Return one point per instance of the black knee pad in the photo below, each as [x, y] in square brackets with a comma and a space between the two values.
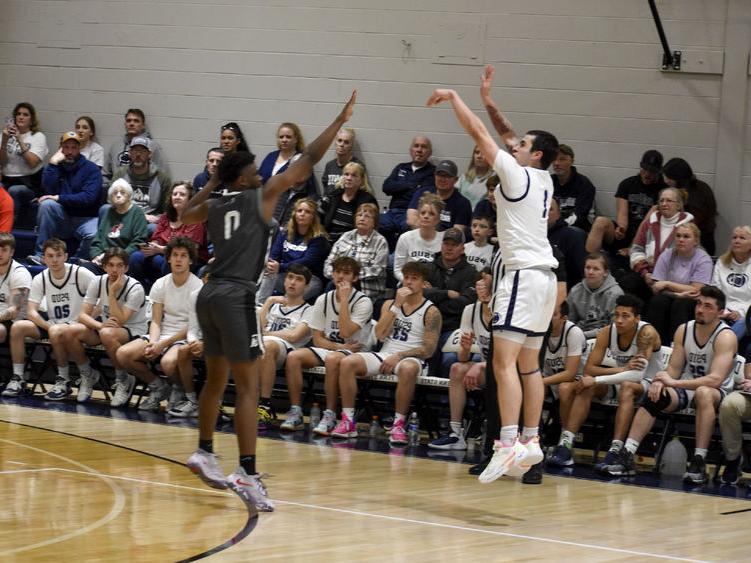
[656, 407]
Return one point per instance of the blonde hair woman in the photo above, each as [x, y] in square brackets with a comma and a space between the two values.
[352, 190]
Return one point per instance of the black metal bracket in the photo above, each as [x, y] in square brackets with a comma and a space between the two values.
[671, 60]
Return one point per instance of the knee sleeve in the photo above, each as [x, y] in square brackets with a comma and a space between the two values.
[656, 407]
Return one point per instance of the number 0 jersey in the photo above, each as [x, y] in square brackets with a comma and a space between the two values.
[408, 331]
[61, 298]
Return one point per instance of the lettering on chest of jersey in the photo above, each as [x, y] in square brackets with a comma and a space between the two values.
[402, 327]
[419, 254]
[554, 365]
[280, 323]
[696, 358]
[60, 297]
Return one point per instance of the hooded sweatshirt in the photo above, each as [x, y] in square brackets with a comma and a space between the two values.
[591, 309]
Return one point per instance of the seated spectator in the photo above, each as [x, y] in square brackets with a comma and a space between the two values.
[284, 320]
[123, 225]
[90, 149]
[289, 142]
[486, 206]
[332, 172]
[734, 411]
[340, 323]
[700, 374]
[14, 286]
[213, 158]
[421, 244]
[338, 211]
[574, 191]
[170, 298]
[149, 182]
[468, 372]
[457, 212]
[404, 180]
[592, 301]
[634, 198]
[368, 247]
[409, 327]
[60, 290]
[654, 236]
[633, 344]
[732, 274]
[232, 139]
[479, 251]
[302, 242]
[698, 197]
[73, 192]
[569, 240]
[679, 274]
[119, 154]
[6, 210]
[147, 262]
[23, 149]
[471, 184]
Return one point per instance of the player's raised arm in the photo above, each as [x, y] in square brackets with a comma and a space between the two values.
[499, 121]
[197, 209]
[302, 167]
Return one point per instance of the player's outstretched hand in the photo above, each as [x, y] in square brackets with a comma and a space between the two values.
[439, 96]
[349, 107]
[486, 81]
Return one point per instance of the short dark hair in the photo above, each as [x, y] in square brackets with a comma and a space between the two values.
[714, 292]
[214, 149]
[233, 164]
[679, 171]
[630, 301]
[55, 244]
[115, 252]
[416, 268]
[138, 112]
[90, 122]
[601, 257]
[34, 125]
[300, 270]
[563, 308]
[346, 263]
[547, 143]
[181, 242]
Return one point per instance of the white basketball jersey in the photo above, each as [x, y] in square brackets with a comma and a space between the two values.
[473, 320]
[570, 343]
[327, 309]
[63, 302]
[16, 276]
[523, 197]
[699, 358]
[623, 356]
[282, 318]
[131, 296]
[408, 330]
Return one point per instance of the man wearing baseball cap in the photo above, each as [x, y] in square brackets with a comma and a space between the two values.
[73, 193]
[119, 155]
[457, 211]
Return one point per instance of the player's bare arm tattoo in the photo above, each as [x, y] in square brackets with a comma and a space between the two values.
[647, 341]
[19, 300]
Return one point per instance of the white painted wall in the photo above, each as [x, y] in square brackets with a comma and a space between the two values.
[585, 69]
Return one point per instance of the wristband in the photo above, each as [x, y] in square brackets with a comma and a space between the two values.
[146, 339]
[394, 309]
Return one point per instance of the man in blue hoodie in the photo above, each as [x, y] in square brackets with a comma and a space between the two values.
[73, 194]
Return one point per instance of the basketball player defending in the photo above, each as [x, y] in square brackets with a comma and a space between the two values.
[524, 302]
[238, 227]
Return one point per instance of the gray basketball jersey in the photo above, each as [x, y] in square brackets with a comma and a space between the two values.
[699, 358]
[558, 351]
[239, 234]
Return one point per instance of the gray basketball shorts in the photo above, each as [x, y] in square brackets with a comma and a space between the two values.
[227, 315]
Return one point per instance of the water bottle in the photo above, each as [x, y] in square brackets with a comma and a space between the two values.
[673, 462]
[413, 430]
[315, 415]
[375, 428]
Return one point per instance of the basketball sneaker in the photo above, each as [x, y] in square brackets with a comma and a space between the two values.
[59, 391]
[345, 429]
[250, 489]
[624, 466]
[561, 457]
[610, 458]
[732, 473]
[696, 473]
[122, 390]
[15, 387]
[533, 476]
[156, 396]
[534, 452]
[186, 409]
[293, 421]
[86, 387]
[266, 417]
[449, 442]
[506, 460]
[327, 423]
[206, 467]
[224, 417]
[176, 397]
[398, 435]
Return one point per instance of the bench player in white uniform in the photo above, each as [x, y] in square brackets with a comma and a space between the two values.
[60, 289]
[525, 301]
[340, 322]
[699, 373]
[409, 327]
[634, 346]
[123, 318]
[170, 298]
[15, 282]
[285, 320]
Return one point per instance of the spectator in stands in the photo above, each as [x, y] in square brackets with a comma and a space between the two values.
[332, 172]
[679, 274]
[700, 373]
[14, 288]
[170, 299]
[231, 138]
[471, 184]
[90, 149]
[23, 149]
[654, 236]
[119, 153]
[147, 263]
[732, 274]
[6, 210]
[368, 247]
[457, 212]
[634, 198]
[486, 206]
[634, 346]
[340, 323]
[698, 197]
[424, 242]
[61, 288]
[569, 240]
[289, 142]
[574, 191]
[150, 183]
[409, 327]
[734, 411]
[592, 301]
[73, 193]
[213, 158]
[338, 210]
[302, 242]
[122, 302]
[468, 372]
[404, 180]
[123, 224]
[479, 251]
[284, 320]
